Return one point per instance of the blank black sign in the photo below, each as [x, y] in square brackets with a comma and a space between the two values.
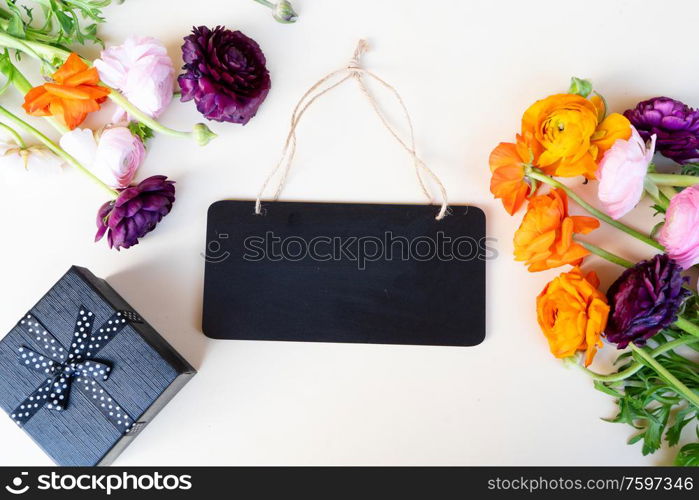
[345, 272]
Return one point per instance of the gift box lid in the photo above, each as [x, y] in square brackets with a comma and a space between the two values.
[82, 373]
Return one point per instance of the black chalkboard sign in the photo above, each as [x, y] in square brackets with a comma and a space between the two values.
[345, 272]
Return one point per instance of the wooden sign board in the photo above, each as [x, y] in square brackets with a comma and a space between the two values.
[345, 272]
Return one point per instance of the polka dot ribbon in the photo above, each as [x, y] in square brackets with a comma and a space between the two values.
[63, 365]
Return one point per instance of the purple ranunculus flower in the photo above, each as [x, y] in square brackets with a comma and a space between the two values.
[225, 74]
[644, 300]
[135, 212]
[675, 124]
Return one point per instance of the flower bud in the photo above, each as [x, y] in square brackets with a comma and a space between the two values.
[580, 86]
[284, 12]
[202, 134]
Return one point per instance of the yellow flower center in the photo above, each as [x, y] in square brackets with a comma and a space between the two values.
[566, 132]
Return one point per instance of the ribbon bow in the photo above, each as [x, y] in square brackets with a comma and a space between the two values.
[62, 365]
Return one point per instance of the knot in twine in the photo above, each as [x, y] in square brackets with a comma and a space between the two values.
[355, 71]
[354, 63]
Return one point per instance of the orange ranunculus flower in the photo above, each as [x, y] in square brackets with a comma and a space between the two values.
[73, 94]
[508, 183]
[544, 240]
[573, 133]
[573, 313]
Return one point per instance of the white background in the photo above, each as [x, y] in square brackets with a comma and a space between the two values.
[467, 70]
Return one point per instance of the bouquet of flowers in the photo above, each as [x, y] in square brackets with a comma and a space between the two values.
[651, 311]
[224, 73]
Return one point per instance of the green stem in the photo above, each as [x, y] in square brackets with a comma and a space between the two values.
[635, 366]
[266, 3]
[660, 200]
[677, 385]
[142, 117]
[56, 149]
[25, 46]
[35, 33]
[687, 326]
[44, 53]
[14, 134]
[673, 179]
[615, 259]
[540, 176]
[668, 192]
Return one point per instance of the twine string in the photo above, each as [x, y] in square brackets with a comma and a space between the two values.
[355, 71]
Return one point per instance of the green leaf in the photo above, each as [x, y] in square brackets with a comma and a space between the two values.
[647, 403]
[674, 432]
[60, 22]
[606, 389]
[580, 86]
[144, 132]
[651, 188]
[635, 438]
[688, 456]
[656, 229]
[15, 27]
[652, 438]
[29, 11]
[658, 210]
[690, 169]
[65, 21]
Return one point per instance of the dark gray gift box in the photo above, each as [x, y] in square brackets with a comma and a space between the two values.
[83, 373]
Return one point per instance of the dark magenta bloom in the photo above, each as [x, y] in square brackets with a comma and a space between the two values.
[225, 74]
[675, 124]
[135, 212]
[644, 300]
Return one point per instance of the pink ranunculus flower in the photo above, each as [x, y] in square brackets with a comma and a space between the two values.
[622, 172]
[114, 157]
[141, 69]
[679, 234]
